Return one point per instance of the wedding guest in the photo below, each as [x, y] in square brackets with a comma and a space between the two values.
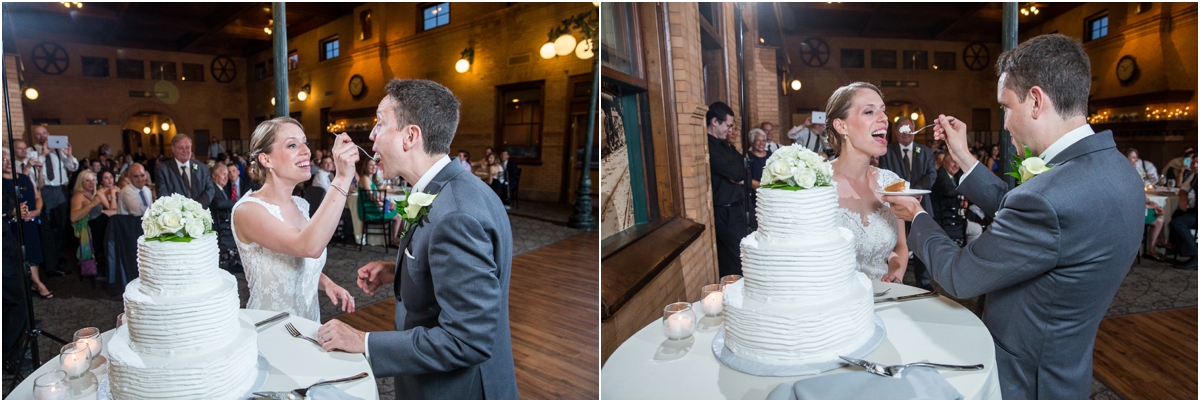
[912, 161]
[464, 159]
[377, 206]
[511, 171]
[768, 128]
[56, 167]
[1144, 167]
[495, 176]
[728, 174]
[757, 155]
[950, 208]
[315, 164]
[135, 197]
[87, 208]
[238, 184]
[324, 173]
[221, 208]
[811, 136]
[992, 161]
[282, 248]
[29, 209]
[1154, 218]
[1175, 168]
[139, 156]
[184, 175]
[1183, 221]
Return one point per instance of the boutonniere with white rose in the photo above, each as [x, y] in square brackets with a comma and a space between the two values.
[176, 218]
[414, 208]
[1028, 166]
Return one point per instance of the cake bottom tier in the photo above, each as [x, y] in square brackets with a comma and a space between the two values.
[226, 372]
[789, 334]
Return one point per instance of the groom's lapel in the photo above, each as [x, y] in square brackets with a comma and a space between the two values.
[435, 186]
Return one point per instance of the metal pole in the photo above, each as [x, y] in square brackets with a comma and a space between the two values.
[583, 219]
[279, 44]
[1008, 40]
[747, 186]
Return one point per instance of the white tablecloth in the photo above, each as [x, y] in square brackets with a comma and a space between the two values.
[294, 362]
[1169, 201]
[938, 330]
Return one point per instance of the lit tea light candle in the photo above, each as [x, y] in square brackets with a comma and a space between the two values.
[52, 392]
[712, 303]
[76, 362]
[51, 386]
[680, 325]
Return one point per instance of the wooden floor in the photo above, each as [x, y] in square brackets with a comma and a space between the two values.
[554, 313]
[1148, 356]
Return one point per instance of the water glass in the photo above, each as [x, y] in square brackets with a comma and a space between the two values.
[729, 280]
[121, 320]
[76, 359]
[712, 299]
[51, 386]
[90, 335]
[679, 320]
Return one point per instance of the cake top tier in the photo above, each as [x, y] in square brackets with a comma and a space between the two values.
[786, 216]
[176, 218]
[795, 167]
[178, 268]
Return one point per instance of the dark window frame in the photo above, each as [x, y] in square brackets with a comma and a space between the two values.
[323, 50]
[198, 75]
[160, 69]
[952, 57]
[421, 7]
[862, 58]
[124, 69]
[878, 61]
[94, 63]
[915, 60]
[260, 71]
[1089, 31]
[540, 121]
[293, 59]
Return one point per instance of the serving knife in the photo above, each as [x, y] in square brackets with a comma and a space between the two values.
[909, 297]
[277, 317]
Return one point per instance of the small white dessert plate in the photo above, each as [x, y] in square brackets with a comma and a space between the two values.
[912, 192]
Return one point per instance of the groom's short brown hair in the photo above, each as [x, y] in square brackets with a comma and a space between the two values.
[1054, 62]
[430, 106]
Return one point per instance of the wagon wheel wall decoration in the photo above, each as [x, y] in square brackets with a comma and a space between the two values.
[814, 52]
[976, 56]
[50, 58]
[223, 69]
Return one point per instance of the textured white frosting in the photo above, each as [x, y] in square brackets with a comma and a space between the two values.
[226, 372]
[798, 333]
[178, 268]
[180, 326]
[795, 217]
[779, 273]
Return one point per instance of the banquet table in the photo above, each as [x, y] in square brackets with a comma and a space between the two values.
[294, 362]
[648, 366]
[1169, 201]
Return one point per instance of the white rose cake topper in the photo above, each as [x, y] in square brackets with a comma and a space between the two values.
[795, 167]
[176, 218]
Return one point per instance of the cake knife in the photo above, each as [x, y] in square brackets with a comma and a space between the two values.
[277, 317]
[909, 297]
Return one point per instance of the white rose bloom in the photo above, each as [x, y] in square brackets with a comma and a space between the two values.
[805, 178]
[780, 170]
[767, 177]
[173, 202]
[149, 228]
[194, 228]
[171, 221]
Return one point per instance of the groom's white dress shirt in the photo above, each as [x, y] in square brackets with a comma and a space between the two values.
[1067, 140]
[419, 186]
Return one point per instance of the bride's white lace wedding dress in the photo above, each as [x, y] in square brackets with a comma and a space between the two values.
[280, 282]
[874, 235]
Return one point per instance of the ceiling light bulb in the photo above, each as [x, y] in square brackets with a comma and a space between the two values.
[584, 49]
[31, 93]
[547, 50]
[166, 126]
[564, 45]
[462, 65]
[267, 30]
[795, 85]
[302, 96]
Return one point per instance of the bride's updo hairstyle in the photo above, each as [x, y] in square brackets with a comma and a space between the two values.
[261, 142]
[838, 107]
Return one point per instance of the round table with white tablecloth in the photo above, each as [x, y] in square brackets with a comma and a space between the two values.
[647, 366]
[294, 362]
[352, 204]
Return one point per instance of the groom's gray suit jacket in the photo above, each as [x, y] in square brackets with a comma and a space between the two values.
[1050, 263]
[452, 332]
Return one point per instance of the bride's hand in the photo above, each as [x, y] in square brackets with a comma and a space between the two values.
[340, 296]
[893, 278]
[374, 274]
[345, 155]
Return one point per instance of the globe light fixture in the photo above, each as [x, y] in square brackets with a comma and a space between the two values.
[914, 116]
[166, 126]
[795, 85]
[31, 93]
[564, 45]
[463, 64]
[548, 51]
[302, 96]
[146, 130]
[584, 49]
[272, 101]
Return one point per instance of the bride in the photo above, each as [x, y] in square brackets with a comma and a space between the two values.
[856, 114]
[283, 250]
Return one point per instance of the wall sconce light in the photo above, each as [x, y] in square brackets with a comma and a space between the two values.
[166, 125]
[31, 93]
[270, 26]
[468, 57]
[72, 4]
[146, 130]
[565, 44]
[560, 42]
[914, 116]
[795, 85]
[547, 51]
[304, 91]
[584, 49]
[272, 101]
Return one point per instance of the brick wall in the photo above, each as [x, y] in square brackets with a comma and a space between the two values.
[397, 50]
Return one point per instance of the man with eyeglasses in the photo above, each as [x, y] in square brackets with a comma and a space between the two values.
[728, 172]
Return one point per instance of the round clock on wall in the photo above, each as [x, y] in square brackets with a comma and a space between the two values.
[357, 86]
[1127, 69]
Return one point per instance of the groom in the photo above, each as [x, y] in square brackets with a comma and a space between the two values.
[1061, 242]
[451, 276]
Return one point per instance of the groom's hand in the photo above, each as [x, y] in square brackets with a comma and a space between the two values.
[374, 274]
[903, 206]
[337, 335]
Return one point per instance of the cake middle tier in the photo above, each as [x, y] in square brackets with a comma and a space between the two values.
[182, 325]
[786, 216]
[816, 269]
[177, 268]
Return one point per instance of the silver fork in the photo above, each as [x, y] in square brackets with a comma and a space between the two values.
[291, 329]
[374, 157]
[923, 128]
[892, 371]
[884, 292]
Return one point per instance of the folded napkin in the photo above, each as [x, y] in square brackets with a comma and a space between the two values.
[329, 392]
[913, 383]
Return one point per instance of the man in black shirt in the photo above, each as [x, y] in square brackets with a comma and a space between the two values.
[728, 171]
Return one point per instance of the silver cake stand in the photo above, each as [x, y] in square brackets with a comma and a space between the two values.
[732, 360]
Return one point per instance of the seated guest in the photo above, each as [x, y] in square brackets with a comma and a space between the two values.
[992, 161]
[28, 211]
[108, 187]
[87, 208]
[1175, 168]
[1154, 218]
[510, 173]
[495, 176]
[378, 206]
[222, 210]
[324, 173]
[949, 208]
[1183, 221]
[1144, 167]
[464, 159]
[238, 183]
[135, 197]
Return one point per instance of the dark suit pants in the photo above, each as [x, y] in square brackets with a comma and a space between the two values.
[730, 223]
[54, 227]
[1182, 222]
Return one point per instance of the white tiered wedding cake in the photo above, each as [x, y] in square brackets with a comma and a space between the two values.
[802, 299]
[183, 339]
